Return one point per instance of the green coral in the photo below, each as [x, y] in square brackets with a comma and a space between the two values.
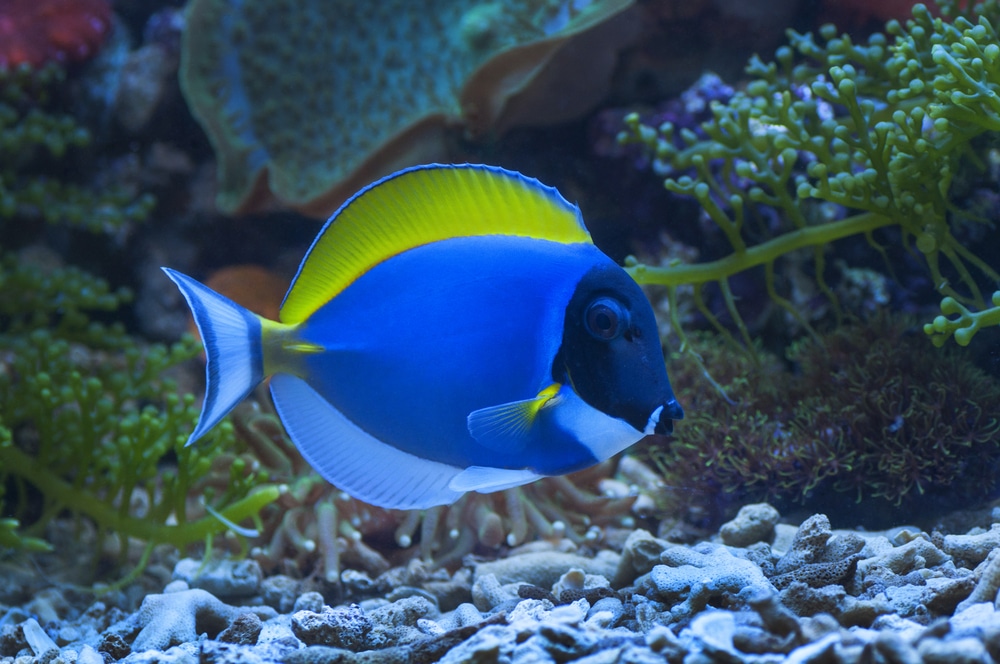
[89, 424]
[905, 118]
[965, 325]
[874, 424]
[34, 141]
[365, 87]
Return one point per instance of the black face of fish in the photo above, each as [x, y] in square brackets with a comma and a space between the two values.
[612, 355]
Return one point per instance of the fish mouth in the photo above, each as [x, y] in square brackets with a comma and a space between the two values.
[661, 420]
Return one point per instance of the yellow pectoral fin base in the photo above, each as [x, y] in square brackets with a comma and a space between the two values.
[505, 428]
[420, 205]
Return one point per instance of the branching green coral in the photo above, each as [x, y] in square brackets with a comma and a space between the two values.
[879, 129]
[32, 141]
[89, 446]
[11, 536]
[89, 425]
[967, 323]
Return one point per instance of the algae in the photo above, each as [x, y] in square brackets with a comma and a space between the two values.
[90, 423]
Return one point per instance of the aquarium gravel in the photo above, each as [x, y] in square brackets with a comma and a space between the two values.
[793, 593]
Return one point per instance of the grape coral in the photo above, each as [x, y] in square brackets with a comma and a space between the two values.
[965, 324]
[881, 130]
[35, 32]
[88, 422]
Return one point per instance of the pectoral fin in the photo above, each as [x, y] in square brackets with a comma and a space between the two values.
[505, 428]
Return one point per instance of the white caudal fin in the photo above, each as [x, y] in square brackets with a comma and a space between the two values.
[232, 338]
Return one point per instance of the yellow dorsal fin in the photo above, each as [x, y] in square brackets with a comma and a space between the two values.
[420, 205]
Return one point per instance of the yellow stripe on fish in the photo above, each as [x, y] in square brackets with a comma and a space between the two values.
[418, 206]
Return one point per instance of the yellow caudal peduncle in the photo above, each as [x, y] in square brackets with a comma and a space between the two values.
[282, 348]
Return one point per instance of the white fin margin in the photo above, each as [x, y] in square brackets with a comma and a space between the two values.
[233, 360]
[488, 480]
[352, 459]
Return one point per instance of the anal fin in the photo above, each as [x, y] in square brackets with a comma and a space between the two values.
[488, 480]
[354, 461]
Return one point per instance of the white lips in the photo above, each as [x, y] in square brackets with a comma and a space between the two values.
[654, 419]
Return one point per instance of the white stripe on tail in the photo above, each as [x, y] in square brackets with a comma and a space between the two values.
[234, 360]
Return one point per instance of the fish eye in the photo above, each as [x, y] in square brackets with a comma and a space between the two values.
[606, 318]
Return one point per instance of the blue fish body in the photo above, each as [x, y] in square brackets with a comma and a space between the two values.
[485, 337]
[434, 358]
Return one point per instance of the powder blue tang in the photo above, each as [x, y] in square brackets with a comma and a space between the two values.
[451, 329]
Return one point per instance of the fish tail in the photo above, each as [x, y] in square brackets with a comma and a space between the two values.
[233, 349]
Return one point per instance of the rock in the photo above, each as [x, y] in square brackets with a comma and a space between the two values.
[11, 640]
[817, 652]
[965, 650]
[310, 601]
[776, 618]
[544, 568]
[916, 554]
[175, 618]
[712, 572]
[895, 647]
[491, 644]
[452, 592]
[487, 593]
[565, 643]
[808, 544]
[972, 547]
[88, 655]
[987, 586]
[396, 623]
[753, 523]
[244, 630]
[40, 643]
[639, 555]
[818, 575]
[575, 584]
[691, 579]
[114, 645]
[224, 578]
[280, 592]
[805, 601]
[712, 633]
[612, 608]
[343, 627]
